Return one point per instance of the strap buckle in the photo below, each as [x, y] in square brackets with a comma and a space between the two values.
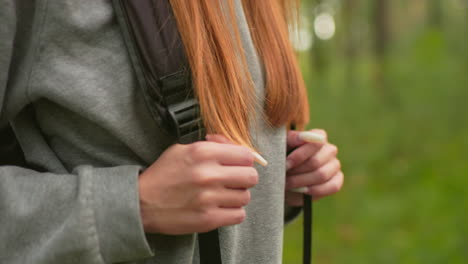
[183, 110]
[186, 121]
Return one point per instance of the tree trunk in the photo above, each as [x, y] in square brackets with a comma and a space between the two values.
[382, 32]
[319, 52]
[435, 13]
[381, 43]
[351, 40]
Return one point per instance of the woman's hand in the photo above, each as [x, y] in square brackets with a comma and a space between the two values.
[312, 168]
[196, 188]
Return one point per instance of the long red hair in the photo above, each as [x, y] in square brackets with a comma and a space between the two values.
[220, 75]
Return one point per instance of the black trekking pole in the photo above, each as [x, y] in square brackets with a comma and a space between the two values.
[306, 225]
[307, 230]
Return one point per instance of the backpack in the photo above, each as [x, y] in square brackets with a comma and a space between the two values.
[163, 75]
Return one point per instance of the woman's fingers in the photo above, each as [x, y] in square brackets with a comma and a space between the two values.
[230, 177]
[318, 191]
[239, 177]
[312, 167]
[217, 217]
[224, 154]
[224, 198]
[301, 154]
[231, 198]
[304, 150]
[224, 140]
[328, 188]
[298, 138]
[325, 154]
[318, 176]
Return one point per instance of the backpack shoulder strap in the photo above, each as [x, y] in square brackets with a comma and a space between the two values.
[156, 50]
[157, 54]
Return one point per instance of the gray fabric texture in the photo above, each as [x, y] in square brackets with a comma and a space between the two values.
[67, 87]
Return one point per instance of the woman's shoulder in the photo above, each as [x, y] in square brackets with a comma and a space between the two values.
[76, 75]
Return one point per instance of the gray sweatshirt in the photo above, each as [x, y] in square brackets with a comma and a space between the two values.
[68, 89]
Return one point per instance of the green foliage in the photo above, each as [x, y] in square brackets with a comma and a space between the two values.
[405, 198]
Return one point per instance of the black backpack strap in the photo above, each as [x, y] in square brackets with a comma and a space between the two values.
[208, 244]
[161, 67]
[183, 111]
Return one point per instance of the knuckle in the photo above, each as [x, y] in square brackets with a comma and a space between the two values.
[335, 187]
[314, 162]
[338, 164]
[199, 151]
[321, 175]
[240, 217]
[333, 149]
[195, 148]
[199, 175]
[253, 176]
[292, 182]
[204, 198]
[246, 198]
[208, 219]
[247, 156]
[203, 176]
[300, 156]
[321, 192]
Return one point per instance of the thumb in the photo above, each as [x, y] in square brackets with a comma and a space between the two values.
[217, 138]
[293, 140]
[299, 138]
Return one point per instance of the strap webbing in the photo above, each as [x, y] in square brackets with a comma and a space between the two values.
[210, 251]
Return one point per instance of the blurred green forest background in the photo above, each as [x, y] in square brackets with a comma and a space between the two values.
[388, 80]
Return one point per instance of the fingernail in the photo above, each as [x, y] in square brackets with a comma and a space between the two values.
[288, 164]
[312, 137]
[259, 159]
[300, 190]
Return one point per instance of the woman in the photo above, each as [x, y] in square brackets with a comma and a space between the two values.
[115, 187]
